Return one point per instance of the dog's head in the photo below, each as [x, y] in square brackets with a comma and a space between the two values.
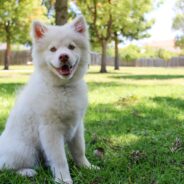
[63, 51]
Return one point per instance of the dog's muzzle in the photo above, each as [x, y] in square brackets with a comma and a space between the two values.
[66, 69]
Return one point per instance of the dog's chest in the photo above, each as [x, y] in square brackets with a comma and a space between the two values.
[71, 103]
[66, 104]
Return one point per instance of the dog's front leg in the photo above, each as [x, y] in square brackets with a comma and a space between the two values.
[52, 142]
[77, 147]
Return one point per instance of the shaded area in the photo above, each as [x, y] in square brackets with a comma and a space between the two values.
[147, 77]
[109, 73]
[3, 118]
[136, 116]
[96, 85]
[170, 102]
[9, 88]
[7, 92]
[146, 158]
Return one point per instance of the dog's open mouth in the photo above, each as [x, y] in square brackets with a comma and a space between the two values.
[65, 70]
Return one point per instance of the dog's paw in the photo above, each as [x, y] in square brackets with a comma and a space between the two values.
[94, 167]
[90, 166]
[27, 172]
[86, 164]
[60, 181]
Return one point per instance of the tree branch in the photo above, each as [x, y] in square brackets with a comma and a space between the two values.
[95, 19]
[109, 24]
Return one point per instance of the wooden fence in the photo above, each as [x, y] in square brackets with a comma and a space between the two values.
[173, 62]
[17, 57]
[148, 62]
[96, 60]
[24, 57]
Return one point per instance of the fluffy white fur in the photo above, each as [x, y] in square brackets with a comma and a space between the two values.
[50, 109]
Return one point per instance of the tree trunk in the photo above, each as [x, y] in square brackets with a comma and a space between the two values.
[116, 59]
[104, 57]
[61, 8]
[7, 57]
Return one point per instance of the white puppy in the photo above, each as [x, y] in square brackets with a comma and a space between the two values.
[50, 109]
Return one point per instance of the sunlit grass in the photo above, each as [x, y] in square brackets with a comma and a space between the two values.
[136, 115]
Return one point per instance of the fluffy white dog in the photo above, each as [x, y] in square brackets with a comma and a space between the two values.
[51, 107]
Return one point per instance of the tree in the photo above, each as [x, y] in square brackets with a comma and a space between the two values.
[15, 18]
[178, 23]
[116, 51]
[99, 16]
[133, 25]
[109, 18]
[61, 8]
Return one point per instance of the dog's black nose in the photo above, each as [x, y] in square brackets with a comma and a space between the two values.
[64, 58]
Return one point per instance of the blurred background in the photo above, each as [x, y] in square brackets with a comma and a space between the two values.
[135, 120]
[123, 32]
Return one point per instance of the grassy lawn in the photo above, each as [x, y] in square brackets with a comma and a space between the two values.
[135, 116]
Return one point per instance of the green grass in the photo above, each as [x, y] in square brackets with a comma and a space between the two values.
[136, 115]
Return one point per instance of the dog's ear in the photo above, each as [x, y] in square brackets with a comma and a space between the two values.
[38, 30]
[79, 24]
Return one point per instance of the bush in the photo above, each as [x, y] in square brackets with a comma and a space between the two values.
[165, 54]
[133, 52]
[130, 53]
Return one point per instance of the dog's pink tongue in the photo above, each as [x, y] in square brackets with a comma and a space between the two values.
[65, 70]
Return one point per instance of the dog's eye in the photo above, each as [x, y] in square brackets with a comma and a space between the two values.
[53, 49]
[71, 47]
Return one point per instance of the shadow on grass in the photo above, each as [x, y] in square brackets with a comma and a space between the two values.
[147, 77]
[118, 119]
[108, 72]
[3, 119]
[9, 88]
[170, 102]
[137, 140]
[96, 85]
